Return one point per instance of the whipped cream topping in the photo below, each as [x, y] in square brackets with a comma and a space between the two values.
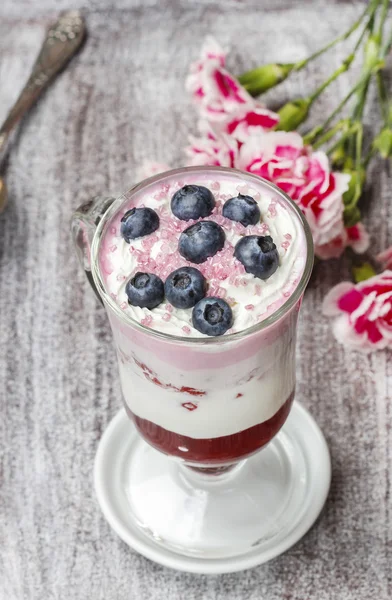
[251, 299]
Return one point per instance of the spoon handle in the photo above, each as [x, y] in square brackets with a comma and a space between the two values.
[63, 39]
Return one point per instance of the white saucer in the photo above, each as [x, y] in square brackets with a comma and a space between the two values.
[295, 467]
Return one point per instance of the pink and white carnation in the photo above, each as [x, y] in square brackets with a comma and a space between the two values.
[150, 168]
[250, 120]
[215, 91]
[283, 158]
[363, 312]
[212, 148]
[355, 237]
[385, 258]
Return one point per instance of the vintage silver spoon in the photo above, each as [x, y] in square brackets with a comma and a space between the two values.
[62, 41]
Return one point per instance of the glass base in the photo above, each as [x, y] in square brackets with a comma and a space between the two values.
[196, 521]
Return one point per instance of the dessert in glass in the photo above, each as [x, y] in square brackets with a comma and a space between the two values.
[202, 272]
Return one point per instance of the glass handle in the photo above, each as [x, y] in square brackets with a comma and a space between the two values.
[84, 224]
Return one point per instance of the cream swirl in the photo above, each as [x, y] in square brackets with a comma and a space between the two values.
[251, 299]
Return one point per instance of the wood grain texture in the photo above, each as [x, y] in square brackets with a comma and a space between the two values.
[120, 102]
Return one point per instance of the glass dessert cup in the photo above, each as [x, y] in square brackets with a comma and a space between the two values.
[194, 478]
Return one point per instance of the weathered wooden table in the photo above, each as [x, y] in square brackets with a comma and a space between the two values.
[120, 102]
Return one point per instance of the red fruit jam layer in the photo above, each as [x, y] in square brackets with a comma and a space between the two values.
[213, 450]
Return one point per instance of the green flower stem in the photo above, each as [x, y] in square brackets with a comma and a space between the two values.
[383, 97]
[358, 158]
[384, 13]
[343, 124]
[388, 46]
[360, 87]
[342, 69]
[372, 9]
[261, 79]
[295, 112]
[351, 131]
[371, 153]
[320, 129]
[362, 95]
[368, 10]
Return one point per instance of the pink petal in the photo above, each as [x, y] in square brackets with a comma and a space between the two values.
[330, 303]
[350, 301]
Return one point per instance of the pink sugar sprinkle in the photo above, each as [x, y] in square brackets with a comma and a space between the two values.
[113, 248]
[216, 268]
[120, 277]
[186, 329]
[258, 289]
[166, 317]
[257, 196]
[243, 282]
[272, 208]
[221, 292]
[264, 229]
[123, 305]
[114, 296]
[243, 189]
[113, 230]
[169, 308]
[285, 245]
[286, 294]
[147, 320]
[215, 185]
[166, 248]
[220, 219]
[107, 268]
[147, 243]
[287, 236]
[249, 306]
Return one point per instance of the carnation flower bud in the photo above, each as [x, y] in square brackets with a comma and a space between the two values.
[372, 51]
[338, 157]
[265, 77]
[292, 114]
[383, 142]
[351, 212]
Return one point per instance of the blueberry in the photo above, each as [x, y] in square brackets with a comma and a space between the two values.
[201, 240]
[138, 222]
[243, 209]
[258, 254]
[185, 286]
[145, 290]
[192, 202]
[212, 316]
